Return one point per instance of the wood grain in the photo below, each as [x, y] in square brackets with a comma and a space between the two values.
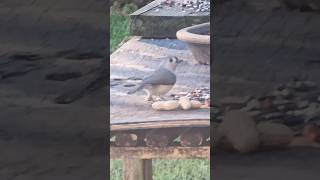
[137, 169]
[161, 124]
[163, 153]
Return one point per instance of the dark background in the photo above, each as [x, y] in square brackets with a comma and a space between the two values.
[258, 45]
[53, 89]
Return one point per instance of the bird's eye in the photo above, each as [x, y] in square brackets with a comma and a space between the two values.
[171, 60]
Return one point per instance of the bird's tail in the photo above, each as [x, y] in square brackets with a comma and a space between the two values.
[135, 90]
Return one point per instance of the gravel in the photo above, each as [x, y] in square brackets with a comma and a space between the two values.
[294, 104]
[191, 6]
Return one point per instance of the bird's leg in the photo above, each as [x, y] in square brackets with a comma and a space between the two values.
[149, 97]
[162, 98]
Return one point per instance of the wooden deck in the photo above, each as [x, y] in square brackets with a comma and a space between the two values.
[134, 60]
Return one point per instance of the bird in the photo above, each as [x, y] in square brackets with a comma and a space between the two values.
[161, 81]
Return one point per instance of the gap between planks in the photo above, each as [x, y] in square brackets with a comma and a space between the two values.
[161, 124]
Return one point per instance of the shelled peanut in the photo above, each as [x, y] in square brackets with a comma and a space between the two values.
[183, 103]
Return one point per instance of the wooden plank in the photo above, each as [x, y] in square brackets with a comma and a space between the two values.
[136, 59]
[160, 153]
[137, 169]
[161, 124]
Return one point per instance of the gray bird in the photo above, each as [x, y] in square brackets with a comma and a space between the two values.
[161, 80]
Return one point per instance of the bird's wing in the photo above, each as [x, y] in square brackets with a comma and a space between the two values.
[161, 76]
[135, 89]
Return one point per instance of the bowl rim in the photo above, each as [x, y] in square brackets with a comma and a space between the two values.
[185, 35]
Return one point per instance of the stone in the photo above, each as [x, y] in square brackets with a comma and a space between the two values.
[240, 130]
[298, 85]
[207, 96]
[296, 112]
[302, 104]
[286, 93]
[280, 102]
[291, 106]
[277, 121]
[280, 87]
[234, 102]
[293, 120]
[274, 135]
[281, 108]
[276, 93]
[309, 84]
[273, 115]
[291, 84]
[252, 105]
[304, 85]
[254, 113]
[312, 111]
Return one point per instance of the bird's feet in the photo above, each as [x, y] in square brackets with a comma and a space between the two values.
[160, 98]
[149, 99]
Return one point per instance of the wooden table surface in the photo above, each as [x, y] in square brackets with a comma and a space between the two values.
[136, 59]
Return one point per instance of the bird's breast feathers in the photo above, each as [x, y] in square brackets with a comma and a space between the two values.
[158, 90]
[161, 76]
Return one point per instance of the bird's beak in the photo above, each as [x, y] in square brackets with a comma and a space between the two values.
[179, 61]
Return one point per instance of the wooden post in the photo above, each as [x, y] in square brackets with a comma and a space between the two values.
[147, 169]
[137, 169]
